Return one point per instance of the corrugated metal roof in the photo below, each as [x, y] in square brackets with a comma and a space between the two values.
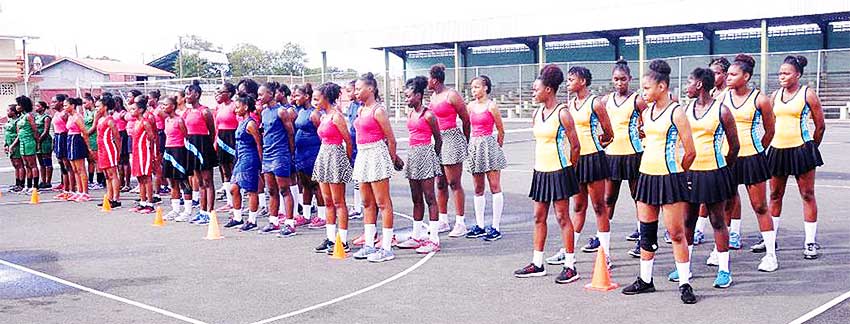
[114, 67]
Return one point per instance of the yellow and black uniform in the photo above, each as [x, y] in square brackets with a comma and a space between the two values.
[662, 179]
[711, 181]
[592, 163]
[625, 150]
[554, 177]
[792, 151]
[751, 164]
[719, 94]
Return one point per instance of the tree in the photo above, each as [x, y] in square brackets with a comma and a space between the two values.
[291, 60]
[106, 58]
[248, 59]
[195, 66]
[198, 43]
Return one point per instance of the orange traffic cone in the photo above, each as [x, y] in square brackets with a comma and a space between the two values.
[601, 277]
[34, 200]
[213, 230]
[339, 249]
[107, 206]
[158, 222]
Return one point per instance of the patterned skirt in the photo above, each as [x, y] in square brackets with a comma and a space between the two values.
[373, 162]
[332, 165]
[422, 163]
[454, 148]
[485, 155]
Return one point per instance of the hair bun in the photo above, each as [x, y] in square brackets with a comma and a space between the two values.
[746, 59]
[660, 67]
[196, 82]
[622, 61]
[802, 60]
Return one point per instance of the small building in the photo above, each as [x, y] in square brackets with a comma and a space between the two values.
[68, 75]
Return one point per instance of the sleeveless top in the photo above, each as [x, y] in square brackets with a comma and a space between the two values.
[418, 128]
[660, 155]
[140, 138]
[367, 127]
[120, 123]
[39, 123]
[275, 137]
[225, 116]
[159, 121]
[446, 115]
[10, 130]
[748, 119]
[72, 126]
[305, 131]
[625, 118]
[59, 125]
[246, 146]
[196, 124]
[708, 134]
[552, 148]
[25, 131]
[719, 94]
[88, 120]
[791, 118]
[328, 131]
[174, 136]
[482, 122]
[587, 125]
[104, 133]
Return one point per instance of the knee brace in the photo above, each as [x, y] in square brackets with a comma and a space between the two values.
[649, 236]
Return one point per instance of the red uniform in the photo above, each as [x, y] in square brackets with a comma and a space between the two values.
[142, 151]
[107, 145]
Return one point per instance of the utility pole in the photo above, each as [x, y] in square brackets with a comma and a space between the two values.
[180, 56]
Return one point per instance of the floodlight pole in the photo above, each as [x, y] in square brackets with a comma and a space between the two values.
[763, 65]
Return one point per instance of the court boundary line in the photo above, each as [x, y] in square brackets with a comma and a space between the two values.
[102, 294]
[354, 293]
[822, 308]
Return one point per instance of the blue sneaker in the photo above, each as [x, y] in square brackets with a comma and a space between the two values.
[734, 241]
[699, 237]
[492, 234]
[475, 232]
[381, 255]
[724, 279]
[592, 245]
[674, 275]
[635, 236]
[286, 231]
[364, 252]
[205, 219]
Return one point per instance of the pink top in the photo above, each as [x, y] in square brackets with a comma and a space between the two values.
[366, 126]
[328, 131]
[195, 122]
[120, 123]
[225, 116]
[420, 131]
[73, 126]
[131, 121]
[446, 115]
[174, 137]
[59, 125]
[159, 121]
[482, 122]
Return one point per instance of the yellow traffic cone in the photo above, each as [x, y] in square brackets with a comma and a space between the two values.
[158, 222]
[34, 200]
[107, 206]
[339, 249]
[213, 230]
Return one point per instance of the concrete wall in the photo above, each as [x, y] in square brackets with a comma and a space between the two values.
[65, 75]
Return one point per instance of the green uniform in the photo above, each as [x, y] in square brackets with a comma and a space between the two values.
[88, 120]
[26, 136]
[47, 141]
[10, 132]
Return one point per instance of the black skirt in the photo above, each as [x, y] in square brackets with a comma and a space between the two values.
[175, 163]
[553, 186]
[750, 170]
[708, 187]
[624, 167]
[226, 142]
[657, 190]
[201, 154]
[793, 161]
[126, 148]
[592, 167]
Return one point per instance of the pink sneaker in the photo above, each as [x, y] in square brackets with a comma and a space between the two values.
[225, 208]
[428, 247]
[444, 227]
[410, 243]
[317, 223]
[72, 197]
[378, 241]
[84, 197]
[301, 221]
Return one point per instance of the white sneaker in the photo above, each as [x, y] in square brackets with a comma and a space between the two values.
[182, 218]
[135, 190]
[712, 259]
[459, 230]
[444, 227]
[172, 215]
[557, 258]
[768, 263]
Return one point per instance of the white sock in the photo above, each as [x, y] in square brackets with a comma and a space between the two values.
[638, 227]
[569, 260]
[434, 232]
[358, 202]
[701, 222]
[690, 251]
[459, 219]
[226, 187]
[252, 217]
[576, 238]
[330, 230]
[684, 269]
[417, 230]
[537, 258]
[646, 270]
[605, 242]
[262, 199]
[237, 214]
[274, 220]
[736, 226]
[175, 205]
[479, 202]
[293, 189]
[775, 224]
[444, 218]
[387, 240]
[369, 231]
[498, 206]
[323, 212]
[187, 208]
[290, 222]
[769, 241]
[343, 235]
[723, 261]
[196, 196]
[811, 229]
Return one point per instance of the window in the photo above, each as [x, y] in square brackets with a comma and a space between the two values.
[7, 89]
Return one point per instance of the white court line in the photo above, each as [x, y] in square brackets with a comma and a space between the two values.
[821, 309]
[100, 293]
[355, 293]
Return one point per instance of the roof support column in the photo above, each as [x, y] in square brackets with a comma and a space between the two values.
[641, 52]
[324, 64]
[615, 42]
[458, 66]
[709, 35]
[541, 51]
[824, 31]
[404, 67]
[763, 65]
[26, 67]
[387, 78]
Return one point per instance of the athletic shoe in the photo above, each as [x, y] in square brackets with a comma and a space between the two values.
[667, 238]
[135, 190]
[364, 252]
[639, 287]
[224, 208]
[317, 223]
[16, 189]
[529, 271]
[635, 236]
[699, 237]
[635, 252]
[723, 280]
[410, 243]
[381, 255]
[712, 259]
[247, 227]
[44, 185]
[459, 230]
[164, 190]
[58, 187]
[811, 251]
[475, 232]
[286, 231]
[60, 196]
[674, 275]
[444, 227]
[592, 245]
[378, 241]
[313, 211]
[150, 210]
[567, 275]
[156, 199]
[73, 197]
[233, 223]
[173, 214]
[263, 212]
[768, 263]
[205, 219]
[355, 215]
[687, 294]
[83, 197]
[125, 189]
[734, 241]
[182, 218]
[360, 240]
[345, 248]
[270, 228]
[324, 247]
[557, 258]
[92, 186]
[115, 204]
[492, 234]
[198, 217]
[428, 247]
[759, 247]
[301, 221]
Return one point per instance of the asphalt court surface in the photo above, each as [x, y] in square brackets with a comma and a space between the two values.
[247, 278]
